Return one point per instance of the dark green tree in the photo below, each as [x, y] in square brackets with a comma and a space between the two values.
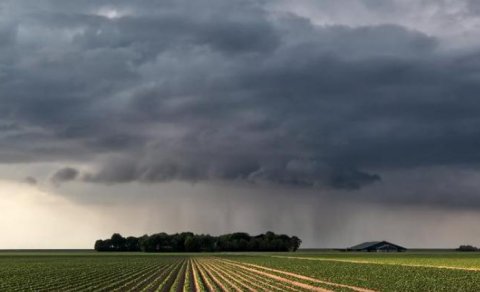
[189, 242]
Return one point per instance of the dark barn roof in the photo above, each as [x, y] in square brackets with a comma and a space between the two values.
[365, 245]
[372, 245]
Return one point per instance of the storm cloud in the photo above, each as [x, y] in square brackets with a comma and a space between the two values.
[237, 91]
[64, 175]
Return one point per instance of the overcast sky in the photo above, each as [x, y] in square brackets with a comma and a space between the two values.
[336, 121]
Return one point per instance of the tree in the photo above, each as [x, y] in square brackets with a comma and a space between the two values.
[187, 241]
[295, 243]
[191, 244]
[143, 243]
[132, 244]
[100, 245]
[117, 242]
[467, 248]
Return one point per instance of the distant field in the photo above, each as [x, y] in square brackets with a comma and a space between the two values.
[443, 258]
[301, 271]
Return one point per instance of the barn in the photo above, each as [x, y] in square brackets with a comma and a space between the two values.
[377, 246]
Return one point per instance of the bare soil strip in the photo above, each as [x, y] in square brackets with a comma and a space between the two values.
[258, 280]
[314, 280]
[231, 279]
[197, 280]
[377, 263]
[278, 278]
[214, 279]
[189, 279]
[223, 283]
[205, 278]
[253, 282]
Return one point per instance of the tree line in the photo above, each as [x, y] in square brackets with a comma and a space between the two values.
[467, 248]
[190, 242]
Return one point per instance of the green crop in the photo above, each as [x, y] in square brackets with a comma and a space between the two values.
[321, 271]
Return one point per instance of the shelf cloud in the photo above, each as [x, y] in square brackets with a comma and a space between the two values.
[348, 98]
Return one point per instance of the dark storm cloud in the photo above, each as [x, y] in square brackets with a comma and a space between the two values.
[215, 90]
[64, 175]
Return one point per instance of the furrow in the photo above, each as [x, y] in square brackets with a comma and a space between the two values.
[58, 284]
[113, 285]
[180, 279]
[210, 265]
[128, 286]
[252, 277]
[298, 276]
[208, 275]
[153, 285]
[142, 284]
[278, 278]
[189, 285]
[231, 280]
[167, 284]
[199, 281]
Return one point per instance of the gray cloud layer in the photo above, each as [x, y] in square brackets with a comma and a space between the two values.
[64, 175]
[215, 90]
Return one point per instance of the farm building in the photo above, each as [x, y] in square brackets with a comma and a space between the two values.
[377, 246]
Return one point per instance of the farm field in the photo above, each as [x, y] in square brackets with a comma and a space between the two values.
[312, 271]
[421, 258]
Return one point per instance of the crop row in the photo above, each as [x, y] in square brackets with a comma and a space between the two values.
[149, 273]
[188, 273]
[388, 277]
[85, 274]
